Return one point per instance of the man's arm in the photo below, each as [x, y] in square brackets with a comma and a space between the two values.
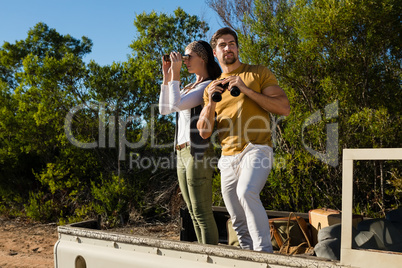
[272, 99]
[206, 120]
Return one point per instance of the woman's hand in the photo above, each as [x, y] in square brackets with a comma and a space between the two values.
[176, 60]
[171, 69]
[166, 71]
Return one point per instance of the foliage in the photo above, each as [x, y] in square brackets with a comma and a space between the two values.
[111, 198]
[70, 130]
[40, 75]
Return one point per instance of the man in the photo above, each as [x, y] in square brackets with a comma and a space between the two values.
[243, 125]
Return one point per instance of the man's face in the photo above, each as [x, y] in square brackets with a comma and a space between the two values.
[226, 50]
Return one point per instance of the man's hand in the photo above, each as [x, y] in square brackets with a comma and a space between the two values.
[213, 87]
[234, 81]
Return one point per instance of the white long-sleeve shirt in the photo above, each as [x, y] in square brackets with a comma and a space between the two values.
[172, 99]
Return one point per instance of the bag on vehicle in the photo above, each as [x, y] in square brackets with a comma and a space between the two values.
[289, 235]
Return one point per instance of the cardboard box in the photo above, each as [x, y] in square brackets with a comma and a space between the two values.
[323, 217]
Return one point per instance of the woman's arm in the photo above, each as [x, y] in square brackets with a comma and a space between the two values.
[179, 101]
[164, 100]
[164, 94]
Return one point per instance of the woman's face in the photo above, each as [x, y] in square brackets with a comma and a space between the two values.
[194, 63]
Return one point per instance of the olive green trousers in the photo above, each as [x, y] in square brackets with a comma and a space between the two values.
[195, 181]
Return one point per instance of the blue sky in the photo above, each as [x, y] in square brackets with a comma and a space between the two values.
[109, 24]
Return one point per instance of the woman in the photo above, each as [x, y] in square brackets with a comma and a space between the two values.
[194, 172]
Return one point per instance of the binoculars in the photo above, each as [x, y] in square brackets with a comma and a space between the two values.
[167, 57]
[217, 96]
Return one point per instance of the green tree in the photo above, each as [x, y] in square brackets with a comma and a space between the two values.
[69, 130]
[39, 77]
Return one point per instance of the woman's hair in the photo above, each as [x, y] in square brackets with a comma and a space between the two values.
[204, 50]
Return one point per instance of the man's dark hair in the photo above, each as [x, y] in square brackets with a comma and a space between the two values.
[219, 33]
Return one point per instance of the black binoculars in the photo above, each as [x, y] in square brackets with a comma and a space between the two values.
[167, 57]
[217, 96]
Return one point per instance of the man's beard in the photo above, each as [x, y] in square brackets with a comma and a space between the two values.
[231, 60]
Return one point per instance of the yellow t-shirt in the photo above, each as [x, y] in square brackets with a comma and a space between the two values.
[239, 119]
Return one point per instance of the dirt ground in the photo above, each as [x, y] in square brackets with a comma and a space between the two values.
[30, 245]
[26, 244]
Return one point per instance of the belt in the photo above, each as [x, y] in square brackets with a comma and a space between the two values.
[182, 146]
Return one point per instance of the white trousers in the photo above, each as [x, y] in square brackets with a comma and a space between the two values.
[243, 176]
